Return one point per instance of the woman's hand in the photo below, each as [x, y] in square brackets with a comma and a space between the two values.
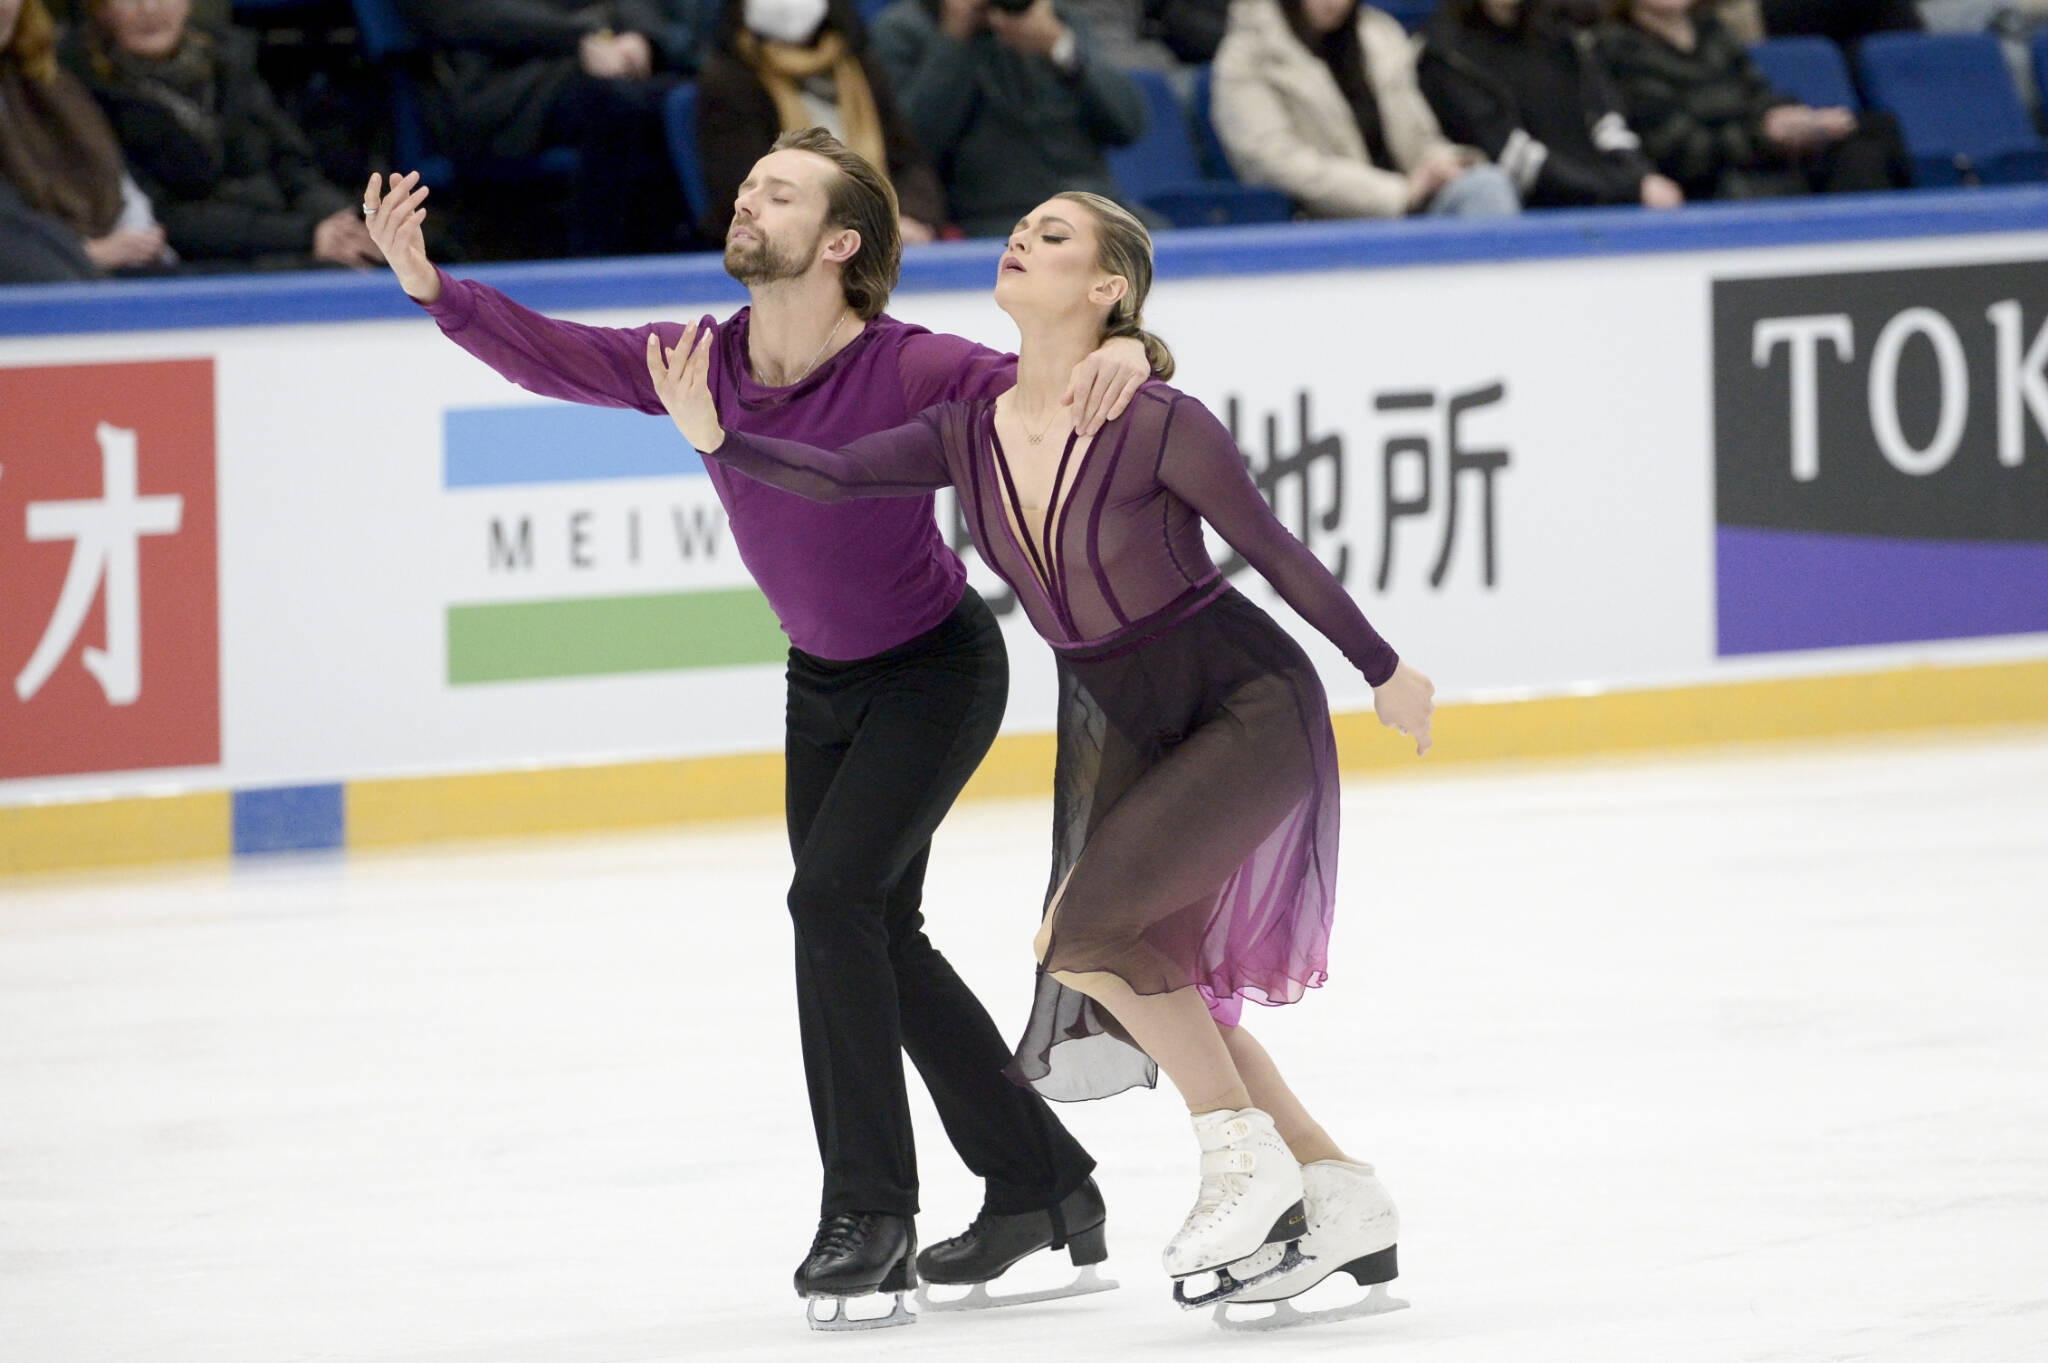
[393, 220]
[126, 248]
[682, 378]
[1406, 702]
[1102, 385]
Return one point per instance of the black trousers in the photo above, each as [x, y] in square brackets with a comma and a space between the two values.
[877, 751]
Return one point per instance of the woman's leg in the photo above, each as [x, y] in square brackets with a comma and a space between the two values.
[1177, 1032]
[1269, 1092]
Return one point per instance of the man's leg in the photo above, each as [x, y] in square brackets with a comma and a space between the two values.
[1004, 1133]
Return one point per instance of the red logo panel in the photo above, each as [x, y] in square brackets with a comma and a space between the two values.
[109, 577]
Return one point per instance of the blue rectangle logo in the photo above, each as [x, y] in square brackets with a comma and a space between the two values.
[560, 443]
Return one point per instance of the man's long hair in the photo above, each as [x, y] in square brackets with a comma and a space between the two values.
[860, 198]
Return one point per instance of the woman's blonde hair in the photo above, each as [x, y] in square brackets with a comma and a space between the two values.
[1123, 247]
[34, 45]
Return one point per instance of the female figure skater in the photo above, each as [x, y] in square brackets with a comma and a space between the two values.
[1196, 818]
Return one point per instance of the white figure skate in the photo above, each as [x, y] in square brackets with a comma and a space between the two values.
[1352, 1228]
[1251, 1200]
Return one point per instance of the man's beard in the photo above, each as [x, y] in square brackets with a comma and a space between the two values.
[761, 262]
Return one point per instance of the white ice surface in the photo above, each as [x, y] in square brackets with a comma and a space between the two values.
[1732, 1058]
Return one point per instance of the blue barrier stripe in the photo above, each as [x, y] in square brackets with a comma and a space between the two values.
[496, 446]
[289, 819]
[657, 284]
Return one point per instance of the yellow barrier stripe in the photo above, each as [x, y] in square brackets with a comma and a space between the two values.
[103, 833]
[391, 813]
[1721, 712]
[412, 810]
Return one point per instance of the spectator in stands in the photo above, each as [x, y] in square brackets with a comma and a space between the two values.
[1846, 21]
[1013, 104]
[518, 77]
[792, 64]
[68, 210]
[232, 177]
[1710, 120]
[2014, 21]
[1318, 98]
[1159, 35]
[1508, 77]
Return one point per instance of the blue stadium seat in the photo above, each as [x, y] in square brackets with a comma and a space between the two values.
[2040, 47]
[1811, 70]
[389, 44]
[1956, 103]
[679, 117]
[1162, 170]
[1413, 14]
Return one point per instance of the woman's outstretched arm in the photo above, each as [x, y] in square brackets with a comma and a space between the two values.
[1201, 465]
[907, 461]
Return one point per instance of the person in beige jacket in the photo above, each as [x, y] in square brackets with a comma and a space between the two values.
[1318, 99]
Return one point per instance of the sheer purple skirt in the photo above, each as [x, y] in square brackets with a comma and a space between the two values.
[1194, 830]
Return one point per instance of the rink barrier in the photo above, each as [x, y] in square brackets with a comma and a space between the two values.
[414, 811]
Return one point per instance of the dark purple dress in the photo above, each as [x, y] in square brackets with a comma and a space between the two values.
[1195, 817]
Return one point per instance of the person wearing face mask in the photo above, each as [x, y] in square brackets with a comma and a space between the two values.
[516, 77]
[1318, 99]
[1508, 77]
[68, 210]
[1012, 102]
[780, 66]
[1712, 122]
[233, 177]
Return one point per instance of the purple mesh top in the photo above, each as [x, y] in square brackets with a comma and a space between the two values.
[847, 581]
[1122, 538]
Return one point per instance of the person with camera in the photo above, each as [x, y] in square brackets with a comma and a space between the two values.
[1009, 99]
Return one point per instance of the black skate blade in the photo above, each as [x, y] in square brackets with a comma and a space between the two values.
[1287, 1316]
[1229, 1285]
[979, 1298]
[839, 1320]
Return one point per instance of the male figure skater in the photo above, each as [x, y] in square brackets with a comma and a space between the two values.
[897, 680]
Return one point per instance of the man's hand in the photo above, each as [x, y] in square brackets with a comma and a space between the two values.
[1035, 32]
[682, 379]
[1104, 383]
[1406, 702]
[342, 239]
[393, 219]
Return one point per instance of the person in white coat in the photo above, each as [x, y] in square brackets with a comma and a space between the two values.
[1318, 99]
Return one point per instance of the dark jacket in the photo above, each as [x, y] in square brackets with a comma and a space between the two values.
[737, 124]
[231, 177]
[1538, 105]
[500, 66]
[1005, 131]
[1700, 113]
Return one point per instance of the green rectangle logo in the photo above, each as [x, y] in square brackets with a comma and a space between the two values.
[600, 636]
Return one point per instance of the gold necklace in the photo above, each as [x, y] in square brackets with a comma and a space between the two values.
[1018, 408]
[830, 336]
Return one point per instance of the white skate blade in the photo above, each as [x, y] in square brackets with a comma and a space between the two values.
[1286, 1316]
[840, 1320]
[1262, 1266]
[979, 1298]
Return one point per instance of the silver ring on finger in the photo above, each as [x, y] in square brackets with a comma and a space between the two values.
[369, 210]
